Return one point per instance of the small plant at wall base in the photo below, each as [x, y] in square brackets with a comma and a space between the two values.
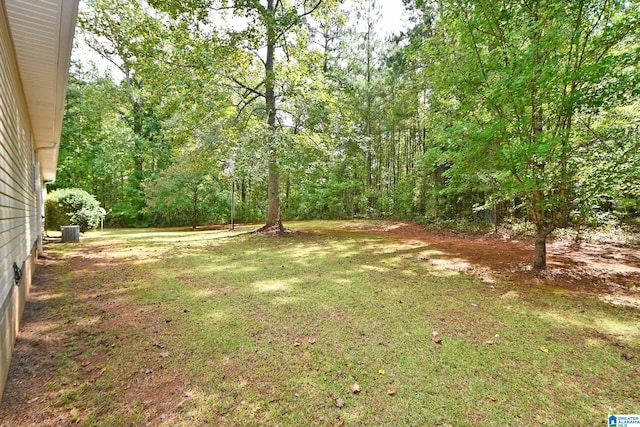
[72, 206]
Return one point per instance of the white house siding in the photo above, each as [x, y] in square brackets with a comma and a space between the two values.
[19, 184]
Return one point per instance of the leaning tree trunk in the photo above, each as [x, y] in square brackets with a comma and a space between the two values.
[273, 204]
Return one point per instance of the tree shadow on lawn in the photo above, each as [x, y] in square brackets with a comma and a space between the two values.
[257, 330]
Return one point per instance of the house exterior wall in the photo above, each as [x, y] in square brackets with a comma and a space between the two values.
[19, 197]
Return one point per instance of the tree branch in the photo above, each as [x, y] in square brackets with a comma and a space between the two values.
[248, 88]
[313, 9]
[245, 103]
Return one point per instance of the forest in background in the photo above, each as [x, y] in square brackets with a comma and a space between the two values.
[479, 113]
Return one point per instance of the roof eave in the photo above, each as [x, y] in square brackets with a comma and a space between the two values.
[43, 39]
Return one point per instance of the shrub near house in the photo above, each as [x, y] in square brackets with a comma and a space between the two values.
[72, 206]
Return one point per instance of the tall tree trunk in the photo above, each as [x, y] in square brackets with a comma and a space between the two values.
[540, 210]
[195, 208]
[243, 198]
[287, 192]
[273, 202]
[540, 260]
[369, 103]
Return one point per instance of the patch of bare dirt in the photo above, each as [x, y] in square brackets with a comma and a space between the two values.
[608, 269]
[279, 231]
[66, 344]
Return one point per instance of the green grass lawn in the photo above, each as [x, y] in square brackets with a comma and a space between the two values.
[257, 330]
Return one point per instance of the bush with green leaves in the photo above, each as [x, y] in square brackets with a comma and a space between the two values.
[72, 206]
[187, 192]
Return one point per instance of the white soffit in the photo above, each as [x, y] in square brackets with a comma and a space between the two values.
[42, 32]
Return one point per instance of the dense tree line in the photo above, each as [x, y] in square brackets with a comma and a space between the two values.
[480, 111]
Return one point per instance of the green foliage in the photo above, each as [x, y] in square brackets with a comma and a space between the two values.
[511, 83]
[126, 144]
[187, 194]
[72, 206]
[481, 112]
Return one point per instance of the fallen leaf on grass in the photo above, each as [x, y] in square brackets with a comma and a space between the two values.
[544, 349]
[340, 403]
[355, 388]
